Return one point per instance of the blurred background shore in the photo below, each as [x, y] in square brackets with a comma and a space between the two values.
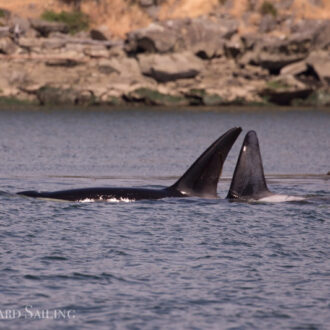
[165, 52]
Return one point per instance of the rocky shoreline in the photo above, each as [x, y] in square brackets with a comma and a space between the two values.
[204, 61]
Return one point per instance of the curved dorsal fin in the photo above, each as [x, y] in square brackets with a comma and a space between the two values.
[201, 179]
[248, 179]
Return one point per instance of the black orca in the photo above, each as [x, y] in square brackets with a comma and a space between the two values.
[248, 182]
[200, 180]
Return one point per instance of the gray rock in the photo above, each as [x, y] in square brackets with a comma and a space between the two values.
[273, 53]
[48, 95]
[45, 27]
[63, 62]
[250, 40]
[286, 91]
[322, 36]
[294, 69]
[19, 25]
[169, 67]
[320, 62]
[30, 43]
[125, 67]
[154, 38]
[7, 46]
[4, 31]
[154, 97]
[201, 35]
[267, 24]
[317, 30]
[96, 52]
[233, 47]
[85, 98]
[97, 35]
[288, 97]
[107, 69]
[207, 38]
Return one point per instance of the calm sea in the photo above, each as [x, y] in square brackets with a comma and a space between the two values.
[185, 263]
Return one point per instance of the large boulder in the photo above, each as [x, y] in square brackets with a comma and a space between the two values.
[21, 26]
[313, 71]
[204, 36]
[124, 67]
[169, 67]
[274, 53]
[154, 38]
[320, 62]
[318, 30]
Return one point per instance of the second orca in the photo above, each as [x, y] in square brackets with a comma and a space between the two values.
[249, 183]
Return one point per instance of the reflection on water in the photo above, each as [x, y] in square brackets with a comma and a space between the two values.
[173, 263]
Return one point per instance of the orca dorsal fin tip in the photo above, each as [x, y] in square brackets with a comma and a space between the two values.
[248, 179]
[201, 179]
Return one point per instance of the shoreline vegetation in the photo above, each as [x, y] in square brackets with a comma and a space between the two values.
[207, 61]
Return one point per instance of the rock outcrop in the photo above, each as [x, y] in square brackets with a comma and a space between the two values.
[201, 61]
[170, 67]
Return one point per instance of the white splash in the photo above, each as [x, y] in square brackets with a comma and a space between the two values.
[280, 199]
[110, 200]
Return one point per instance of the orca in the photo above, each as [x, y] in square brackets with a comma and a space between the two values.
[200, 180]
[248, 182]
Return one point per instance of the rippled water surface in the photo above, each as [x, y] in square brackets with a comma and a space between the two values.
[170, 264]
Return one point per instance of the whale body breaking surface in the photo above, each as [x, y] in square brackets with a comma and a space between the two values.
[200, 180]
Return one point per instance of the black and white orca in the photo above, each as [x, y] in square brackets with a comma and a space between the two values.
[248, 182]
[200, 180]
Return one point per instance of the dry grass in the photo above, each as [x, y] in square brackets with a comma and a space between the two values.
[122, 18]
[29, 8]
[300, 9]
[117, 16]
[187, 8]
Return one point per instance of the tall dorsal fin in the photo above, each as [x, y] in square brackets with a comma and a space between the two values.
[201, 179]
[248, 179]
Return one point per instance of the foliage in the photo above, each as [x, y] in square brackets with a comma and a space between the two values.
[12, 101]
[76, 21]
[276, 84]
[199, 96]
[153, 97]
[268, 8]
[2, 13]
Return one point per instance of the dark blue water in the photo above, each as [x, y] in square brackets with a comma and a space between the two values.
[171, 264]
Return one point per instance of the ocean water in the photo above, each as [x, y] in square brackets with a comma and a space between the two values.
[186, 263]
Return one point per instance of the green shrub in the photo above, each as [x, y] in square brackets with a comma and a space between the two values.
[75, 20]
[12, 101]
[268, 8]
[153, 97]
[2, 13]
[275, 84]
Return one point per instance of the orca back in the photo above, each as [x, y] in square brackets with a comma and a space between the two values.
[201, 179]
[249, 179]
